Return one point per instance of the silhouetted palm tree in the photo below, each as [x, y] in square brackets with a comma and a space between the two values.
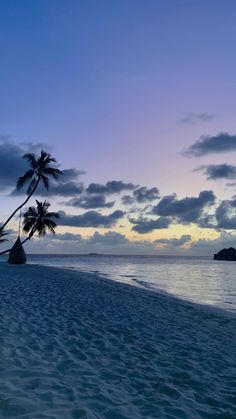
[39, 220]
[40, 172]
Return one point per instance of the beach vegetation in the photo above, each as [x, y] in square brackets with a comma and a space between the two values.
[41, 170]
[38, 220]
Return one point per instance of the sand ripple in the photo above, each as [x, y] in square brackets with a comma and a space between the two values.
[76, 346]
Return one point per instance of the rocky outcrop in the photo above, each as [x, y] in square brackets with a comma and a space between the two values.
[226, 254]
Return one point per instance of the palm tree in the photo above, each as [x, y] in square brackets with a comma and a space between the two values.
[39, 220]
[40, 172]
[36, 220]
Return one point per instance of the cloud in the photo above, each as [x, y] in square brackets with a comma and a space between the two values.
[35, 148]
[231, 184]
[209, 247]
[143, 194]
[186, 238]
[12, 165]
[112, 187]
[194, 118]
[111, 238]
[221, 143]
[115, 243]
[226, 215]
[71, 175]
[90, 219]
[108, 243]
[127, 200]
[187, 210]
[61, 189]
[207, 221]
[219, 171]
[68, 237]
[91, 202]
[145, 225]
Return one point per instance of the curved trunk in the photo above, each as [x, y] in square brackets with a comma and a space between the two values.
[5, 251]
[25, 240]
[29, 236]
[20, 206]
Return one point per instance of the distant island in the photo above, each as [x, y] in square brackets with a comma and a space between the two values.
[226, 254]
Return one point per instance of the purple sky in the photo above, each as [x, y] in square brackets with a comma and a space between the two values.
[120, 90]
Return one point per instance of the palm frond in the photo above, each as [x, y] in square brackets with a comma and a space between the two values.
[51, 171]
[45, 159]
[38, 219]
[51, 228]
[22, 180]
[31, 159]
[52, 215]
[40, 170]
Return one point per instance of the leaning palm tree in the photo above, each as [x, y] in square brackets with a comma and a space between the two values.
[39, 173]
[39, 220]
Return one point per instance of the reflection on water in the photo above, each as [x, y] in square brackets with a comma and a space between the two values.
[193, 278]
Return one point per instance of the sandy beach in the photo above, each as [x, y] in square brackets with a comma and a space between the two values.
[74, 345]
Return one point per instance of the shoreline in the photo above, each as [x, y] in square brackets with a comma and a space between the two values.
[140, 285]
[75, 343]
[197, 281]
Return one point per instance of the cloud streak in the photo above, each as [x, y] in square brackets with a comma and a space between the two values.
[111, 187]
[196, 117]
[90, 219]
[145, 225]
[219, 171]
[91, 202]
[221, 143]
[186, 238]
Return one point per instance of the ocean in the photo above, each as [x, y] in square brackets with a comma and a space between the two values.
[196, 279]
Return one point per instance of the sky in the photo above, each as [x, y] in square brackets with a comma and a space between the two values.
[136, 100]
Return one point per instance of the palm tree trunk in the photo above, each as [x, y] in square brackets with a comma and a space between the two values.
[5, 251]
[18, 208]
[25, 240]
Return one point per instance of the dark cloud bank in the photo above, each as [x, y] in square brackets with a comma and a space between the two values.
[172, 210]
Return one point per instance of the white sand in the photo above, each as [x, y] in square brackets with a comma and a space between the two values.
[76, 346]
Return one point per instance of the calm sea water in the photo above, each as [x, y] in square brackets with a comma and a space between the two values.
[197, 279]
